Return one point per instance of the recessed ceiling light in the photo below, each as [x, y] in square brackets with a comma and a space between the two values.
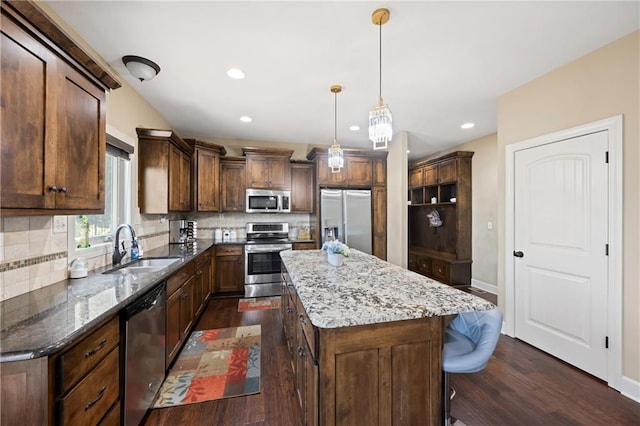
[354, 128]
[467, 125]
[408, 151]
[235, 73]
[246, 119]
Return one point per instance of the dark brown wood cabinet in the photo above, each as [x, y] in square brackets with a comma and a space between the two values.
[232, 184]
[205, 170]
[179, 310]
[311, 245]
[268, 168]
[53, 119]
[362, 170]
[229, 269]
[444, 252]
[164, 172]
[302, 187]
[368, 374]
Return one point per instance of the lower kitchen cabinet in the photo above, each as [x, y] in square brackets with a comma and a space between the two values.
[311, 245]
[229, 269]
[202, 282]
[370, 374]
[179, 310]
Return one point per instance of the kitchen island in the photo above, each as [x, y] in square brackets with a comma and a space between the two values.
[366, 338]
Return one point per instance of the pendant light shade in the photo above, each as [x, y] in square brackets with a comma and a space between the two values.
[336, 156]
[141, 68]
[380, 119]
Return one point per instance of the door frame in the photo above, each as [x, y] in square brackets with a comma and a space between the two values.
[613, 125]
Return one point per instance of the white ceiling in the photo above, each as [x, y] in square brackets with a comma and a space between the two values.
[444, 63]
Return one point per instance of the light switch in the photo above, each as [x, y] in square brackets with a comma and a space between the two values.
[59, 224]
[489, 225]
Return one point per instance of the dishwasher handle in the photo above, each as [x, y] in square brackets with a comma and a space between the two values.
[147, 302]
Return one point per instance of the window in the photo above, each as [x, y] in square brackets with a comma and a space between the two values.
[90, 232]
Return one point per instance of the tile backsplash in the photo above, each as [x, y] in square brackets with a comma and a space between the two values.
[33, 256]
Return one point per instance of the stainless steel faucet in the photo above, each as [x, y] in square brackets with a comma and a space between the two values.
[117, 254]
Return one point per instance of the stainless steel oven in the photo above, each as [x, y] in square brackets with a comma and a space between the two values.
[262, 264]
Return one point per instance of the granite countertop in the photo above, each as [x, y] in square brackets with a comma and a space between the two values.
[41, 322]
[368, 290]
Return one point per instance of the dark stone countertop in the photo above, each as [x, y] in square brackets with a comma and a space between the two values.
[42, 322]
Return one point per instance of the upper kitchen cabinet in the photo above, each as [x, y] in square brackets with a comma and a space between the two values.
[53, 118]
[268, 168]
[360, 169]
[301, 187]
[232, 184]
[206, 175]
[164, 172]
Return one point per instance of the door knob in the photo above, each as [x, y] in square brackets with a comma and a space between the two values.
[518, 254]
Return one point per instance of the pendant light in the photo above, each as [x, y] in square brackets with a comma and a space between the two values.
[336, 156]
[380, 128]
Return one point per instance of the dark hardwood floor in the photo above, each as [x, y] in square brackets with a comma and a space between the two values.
[520, 386]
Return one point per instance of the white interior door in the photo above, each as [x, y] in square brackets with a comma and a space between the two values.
[561, 231]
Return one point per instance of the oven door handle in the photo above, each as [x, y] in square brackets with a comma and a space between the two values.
[266, 249]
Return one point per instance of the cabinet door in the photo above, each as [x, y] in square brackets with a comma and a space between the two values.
[27, 163]
[175, 178]
[81, 142]
[310, 402]
[379, 172]
[173, 325]
[207, 176]
[359, 171]
[326, 176]
[447, 171]
[415, 178]
[380, 222]
[186, 307]
[233, 187]
[430, 176]
[229, 274]
[257, 172]
[185, 182]
[279, 173]
[302, 188]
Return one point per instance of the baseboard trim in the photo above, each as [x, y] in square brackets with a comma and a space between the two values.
[489, 288]
[630, 388]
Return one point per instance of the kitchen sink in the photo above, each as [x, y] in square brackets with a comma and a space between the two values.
[145, 265]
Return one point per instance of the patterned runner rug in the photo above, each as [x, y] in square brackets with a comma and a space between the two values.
[259, 304]
[214, 364]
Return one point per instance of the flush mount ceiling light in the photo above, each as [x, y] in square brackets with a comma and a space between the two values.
[467, 126]
[141, 68]
[354, 128]
[235, 73]
[246, 119]
[336, 156]
[380, 128]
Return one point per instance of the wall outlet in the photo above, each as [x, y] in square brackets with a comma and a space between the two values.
[489, 225]
[59, 224]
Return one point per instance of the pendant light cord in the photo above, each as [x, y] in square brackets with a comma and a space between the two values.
[335, 117]
[380, 64]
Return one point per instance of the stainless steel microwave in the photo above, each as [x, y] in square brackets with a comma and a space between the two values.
[268, 201]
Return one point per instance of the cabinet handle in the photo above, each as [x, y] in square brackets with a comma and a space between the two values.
[98, 398]
[199, 272]
[96, 349]
[63, 189]
[53, 188]
[302, 320]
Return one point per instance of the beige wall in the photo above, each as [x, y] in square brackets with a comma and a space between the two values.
[397, 210]
[599, 85]
[484, 207]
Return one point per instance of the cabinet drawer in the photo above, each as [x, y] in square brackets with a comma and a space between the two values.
[83, 357]
[304, 246]
[179, 278]
[424, 265]
[307, 328]
[440, 270]
[113, 416]
[202, 259]
[413, 262]
[229, 251]
[88, 402]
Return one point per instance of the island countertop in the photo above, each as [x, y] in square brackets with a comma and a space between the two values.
[368, 290]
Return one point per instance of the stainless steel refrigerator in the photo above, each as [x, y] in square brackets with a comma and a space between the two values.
[345, 215]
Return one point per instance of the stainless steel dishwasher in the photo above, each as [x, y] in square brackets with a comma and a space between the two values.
[144, 353]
